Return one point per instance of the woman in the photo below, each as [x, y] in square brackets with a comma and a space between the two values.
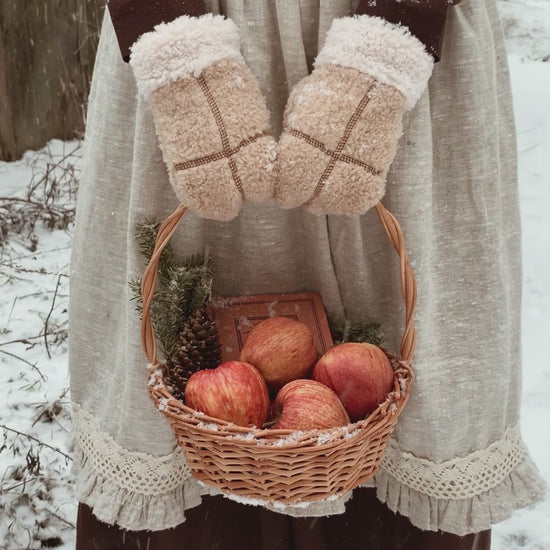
[457, 463]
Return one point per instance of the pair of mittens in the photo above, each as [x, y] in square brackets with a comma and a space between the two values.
[341, 126]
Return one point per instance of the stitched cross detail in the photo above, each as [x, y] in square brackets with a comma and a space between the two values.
[336, 154]
[227, 151]
[220, 154]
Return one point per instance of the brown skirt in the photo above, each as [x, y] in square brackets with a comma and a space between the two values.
[221, 524]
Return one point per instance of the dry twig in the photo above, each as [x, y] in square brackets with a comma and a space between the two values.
[24, 361]
[48, 318]
[36, 440]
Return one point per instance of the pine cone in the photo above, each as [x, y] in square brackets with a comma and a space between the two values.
[197, 348]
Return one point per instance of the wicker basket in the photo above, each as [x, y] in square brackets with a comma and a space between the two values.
[281, 467]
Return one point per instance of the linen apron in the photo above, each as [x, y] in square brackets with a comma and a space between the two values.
[457, 462]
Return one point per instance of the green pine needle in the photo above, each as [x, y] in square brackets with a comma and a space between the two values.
[182, 288]
[359, 332]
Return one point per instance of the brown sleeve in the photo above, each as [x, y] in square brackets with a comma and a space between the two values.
[424, 18]
[132, 18]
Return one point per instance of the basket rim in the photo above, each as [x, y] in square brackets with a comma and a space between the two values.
[178, 412]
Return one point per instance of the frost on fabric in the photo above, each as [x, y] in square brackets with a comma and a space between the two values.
[229, 301]
[298, 504]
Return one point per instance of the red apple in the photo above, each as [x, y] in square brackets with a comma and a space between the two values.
[307, 405]
[282, 349]
[234, 391]
[360, 374]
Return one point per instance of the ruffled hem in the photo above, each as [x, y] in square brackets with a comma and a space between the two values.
[116, 505]
[131, 510]
[522, 487]
[134, 490]
[464, 495]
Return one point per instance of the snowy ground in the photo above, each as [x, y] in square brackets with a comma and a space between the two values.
[529, 47]
[37, 506]
[38, 509]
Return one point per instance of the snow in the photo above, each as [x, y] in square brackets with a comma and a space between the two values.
[210, 426]
[35, 480]
[36, 497]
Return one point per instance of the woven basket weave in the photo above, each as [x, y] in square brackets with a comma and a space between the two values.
[281, 467]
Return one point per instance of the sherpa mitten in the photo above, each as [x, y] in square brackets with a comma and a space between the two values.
[209, 114]
[342, 123]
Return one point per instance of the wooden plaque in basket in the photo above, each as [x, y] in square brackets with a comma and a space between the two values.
[281, 467]
[236, 316]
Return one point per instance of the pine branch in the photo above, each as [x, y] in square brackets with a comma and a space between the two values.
[146, 235]
[182, 288]
[359, 332]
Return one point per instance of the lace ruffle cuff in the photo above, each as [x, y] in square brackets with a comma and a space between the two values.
[139, 491]
[463, 495]
[133, 490]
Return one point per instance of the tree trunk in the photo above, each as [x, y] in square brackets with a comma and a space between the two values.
[47, 51]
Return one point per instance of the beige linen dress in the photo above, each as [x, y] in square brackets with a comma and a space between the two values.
[457, 461]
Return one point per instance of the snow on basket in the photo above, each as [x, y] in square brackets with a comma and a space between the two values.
[281, 467]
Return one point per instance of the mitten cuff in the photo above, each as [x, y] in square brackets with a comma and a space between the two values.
[386, 51]
[182, 48]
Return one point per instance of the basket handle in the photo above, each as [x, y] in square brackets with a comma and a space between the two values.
[408, 280]
[149, 282]
[169, 226]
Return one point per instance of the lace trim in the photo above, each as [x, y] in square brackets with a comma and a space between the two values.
[460, 478]
[138, 472]
[456, 479]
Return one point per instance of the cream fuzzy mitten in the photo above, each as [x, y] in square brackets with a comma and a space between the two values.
[342, 123]
[210, 117]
